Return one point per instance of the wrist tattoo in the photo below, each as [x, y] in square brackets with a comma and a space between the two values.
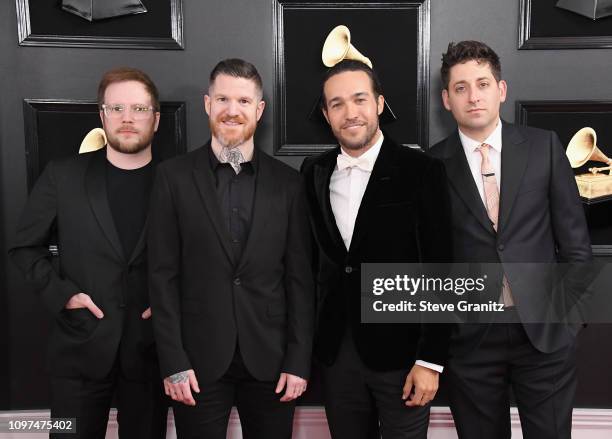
[180, 377]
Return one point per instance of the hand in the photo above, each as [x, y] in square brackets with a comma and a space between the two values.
[82, 300]
[178, 386]
[425, 382]
[146, 314]
[295, 386]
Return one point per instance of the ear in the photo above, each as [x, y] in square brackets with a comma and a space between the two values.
[445, 99]
[102, 117]
[207, 104]
[156, 120]
[503, 89]
[260, 108]
[380, 104]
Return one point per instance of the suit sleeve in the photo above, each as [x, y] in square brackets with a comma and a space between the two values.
[435, 237]
[164, 256]
[30, 248]
[299, 287]
[567, 214]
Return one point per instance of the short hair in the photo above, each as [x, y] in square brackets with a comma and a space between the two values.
[238, 68]
[122, 74]
[350, 65]
[465, 51]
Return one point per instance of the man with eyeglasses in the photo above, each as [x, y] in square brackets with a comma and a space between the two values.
[97, 204]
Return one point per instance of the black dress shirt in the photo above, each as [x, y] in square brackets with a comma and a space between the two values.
[235, 193]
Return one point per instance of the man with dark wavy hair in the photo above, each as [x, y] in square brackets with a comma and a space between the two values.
[97, 204]
[514, 200]
[373, 201]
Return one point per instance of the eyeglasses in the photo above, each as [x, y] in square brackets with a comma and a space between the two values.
[138, 111]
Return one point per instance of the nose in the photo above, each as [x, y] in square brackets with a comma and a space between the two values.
[351, 111]
[126, 115]
[474, 95]
[232, 108]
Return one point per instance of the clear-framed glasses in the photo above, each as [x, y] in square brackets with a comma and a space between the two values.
[138, 111]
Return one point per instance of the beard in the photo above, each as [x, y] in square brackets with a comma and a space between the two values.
[357, 143]
[138, 142]
[228, 137]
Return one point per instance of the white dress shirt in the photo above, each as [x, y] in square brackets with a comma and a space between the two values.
[474, 158]
[346, 189]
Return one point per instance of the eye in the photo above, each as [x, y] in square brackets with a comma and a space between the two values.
[116, 108]
[484, 84]
[140, 108]
[460, 89]
[360, 100]
[244, 101]
[221, 99]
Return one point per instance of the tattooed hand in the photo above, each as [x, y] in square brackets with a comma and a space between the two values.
[179, 385]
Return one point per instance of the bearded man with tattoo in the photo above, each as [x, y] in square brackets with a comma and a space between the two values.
[231, 283]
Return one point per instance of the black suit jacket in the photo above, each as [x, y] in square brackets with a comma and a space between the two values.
[205, 301]
[403, 217]
[70, 197]
[541, 220]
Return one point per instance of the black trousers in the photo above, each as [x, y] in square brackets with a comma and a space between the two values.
[543, 385]
[365, 404]
[262, 415]
[142, 406]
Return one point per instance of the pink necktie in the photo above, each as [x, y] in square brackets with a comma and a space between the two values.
[491, 193]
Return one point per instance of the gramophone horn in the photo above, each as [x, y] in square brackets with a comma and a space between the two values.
[93, 141]
[338, 47]
[583, 147]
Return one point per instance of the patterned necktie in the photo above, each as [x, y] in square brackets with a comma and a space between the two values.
[232, 156]
[491, 194]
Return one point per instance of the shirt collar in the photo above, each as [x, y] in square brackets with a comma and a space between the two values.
[494, 139]
[371, 154]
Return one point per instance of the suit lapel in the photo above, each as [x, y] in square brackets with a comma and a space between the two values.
[323, 171]
[95, 184]
[264, 187]
[205, 182]
[515, 155]
[460, 176]
[385, 171]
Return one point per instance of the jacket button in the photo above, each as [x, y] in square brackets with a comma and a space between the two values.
[348, 269]
[500, 247]
[237, 281]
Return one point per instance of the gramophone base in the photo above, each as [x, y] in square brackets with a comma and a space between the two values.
[594, 185]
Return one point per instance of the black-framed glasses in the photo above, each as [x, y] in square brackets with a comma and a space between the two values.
[138, 111]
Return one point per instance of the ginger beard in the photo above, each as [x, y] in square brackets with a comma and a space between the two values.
[130, 140]
[232, 131]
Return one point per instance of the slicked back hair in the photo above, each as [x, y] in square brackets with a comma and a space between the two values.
[350, 65]
[464, 51]
[238, 68]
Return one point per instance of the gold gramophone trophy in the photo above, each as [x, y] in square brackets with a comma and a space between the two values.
[93, 141]
[338, 47]
[581, 149]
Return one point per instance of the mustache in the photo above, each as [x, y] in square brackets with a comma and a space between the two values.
[237, 119]
[126, 128]
[352, 122]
